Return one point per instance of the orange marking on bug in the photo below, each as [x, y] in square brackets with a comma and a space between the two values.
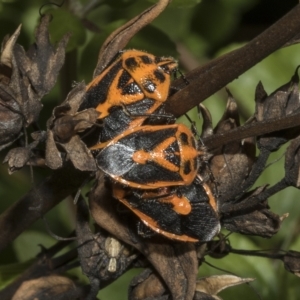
[157, 155]
[149, 185]
[181, 205]
[99, 146]
[141, 157]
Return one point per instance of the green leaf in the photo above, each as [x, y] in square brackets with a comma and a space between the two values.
[10, 271]
[27, 245]
[119, 3]
[64, 22]
[119, 288]
[89, 55]
[155, 41]
[184, 3]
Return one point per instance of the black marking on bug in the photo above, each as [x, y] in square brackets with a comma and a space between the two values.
[97, 94]
[159, 75]
[150, 173]
[187, 167]
[124, 79]
[131, 63]
[170, 154]
[184, 138]
[146, 59]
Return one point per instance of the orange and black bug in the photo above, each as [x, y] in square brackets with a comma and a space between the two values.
[189, 214]
[137, 82]
[151, 157]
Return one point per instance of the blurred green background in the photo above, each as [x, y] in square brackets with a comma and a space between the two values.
[200, 31]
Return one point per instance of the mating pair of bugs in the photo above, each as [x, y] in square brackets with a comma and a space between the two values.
[153, 164]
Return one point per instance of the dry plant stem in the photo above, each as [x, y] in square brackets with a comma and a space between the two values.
[256, 170]
[120, 37]
[18, 217]
[253, 129]
[208, 79]
[275, 255]
[276, 188]
[248, 204]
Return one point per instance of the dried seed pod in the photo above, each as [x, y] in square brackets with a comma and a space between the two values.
[251, 217]
[26, 78]
[292, 163]
[262, 223]
[42, 62]
[291, 262]
[54, 159]
[147, 285]
[211, 286]
[17, 158]
[63, 129]
[47, 287]
[282, 102]
[11, 117]
[232, 162]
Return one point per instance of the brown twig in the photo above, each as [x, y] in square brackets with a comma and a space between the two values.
[252, 129]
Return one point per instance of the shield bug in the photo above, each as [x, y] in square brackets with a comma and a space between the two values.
[132, 88]
[187, 214]
[151, 157]
[135, 75]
